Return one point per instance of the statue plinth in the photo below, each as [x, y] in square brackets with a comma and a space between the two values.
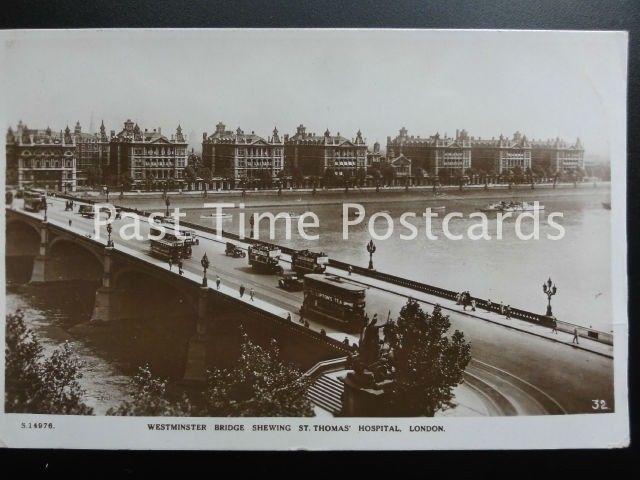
[363, 396]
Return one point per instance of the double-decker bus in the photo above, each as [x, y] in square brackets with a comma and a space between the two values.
[335, 300]
[265, 258]
[34, 201]
[305, 261]
[170, 249]
[173, 233]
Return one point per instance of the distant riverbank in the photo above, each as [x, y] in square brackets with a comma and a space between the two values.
[267, 198]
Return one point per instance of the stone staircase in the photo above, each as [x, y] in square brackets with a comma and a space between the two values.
[326, 393]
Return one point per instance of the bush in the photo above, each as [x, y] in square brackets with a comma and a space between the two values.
[35, 384]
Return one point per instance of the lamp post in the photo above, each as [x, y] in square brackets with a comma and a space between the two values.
[107, 192]
[205, 264]
[371, 248]
[109, 240]
[45, 207]
[550, 290]
[167, 202]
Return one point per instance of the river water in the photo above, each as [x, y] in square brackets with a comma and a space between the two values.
[51, 311]
[509, 270]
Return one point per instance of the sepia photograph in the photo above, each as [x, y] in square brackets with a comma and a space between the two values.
[320, 238]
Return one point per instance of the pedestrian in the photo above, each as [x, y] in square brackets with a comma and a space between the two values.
[217, 282]
[170, 264]
[575, 337]
[289, 316]
[508, 314]
[458, 298]
[251, 292]
[69, 222]
[489, 305]
[350, 270]
[179, 266]
[242, 289]
[554, 326]
[473, 305]
[306, 324]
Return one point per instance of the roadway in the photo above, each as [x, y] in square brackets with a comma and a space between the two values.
[513, 371]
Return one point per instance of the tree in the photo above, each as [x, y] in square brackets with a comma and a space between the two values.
[125, 180]
[150, 399]
[259, 385]
[35, 384]
[189, 174]
[427, 363]
[329, 177]
[94, 176]
[389, 173]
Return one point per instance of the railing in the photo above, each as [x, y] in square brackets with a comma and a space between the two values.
[535, 318]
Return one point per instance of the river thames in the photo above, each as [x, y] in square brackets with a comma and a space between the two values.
[508, 270]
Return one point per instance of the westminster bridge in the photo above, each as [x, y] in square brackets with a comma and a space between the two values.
[517, 367]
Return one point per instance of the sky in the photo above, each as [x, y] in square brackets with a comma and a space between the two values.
[566, 84]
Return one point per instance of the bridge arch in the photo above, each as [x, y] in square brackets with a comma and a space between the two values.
[63, 242]
[22, 238]
[156, 319]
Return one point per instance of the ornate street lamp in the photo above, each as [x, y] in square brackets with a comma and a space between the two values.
[371, 248]
[550, 290]
[107, 191]
[109, 240]
[45, 207]
[205, 264]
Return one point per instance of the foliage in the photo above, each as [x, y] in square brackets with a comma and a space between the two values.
[427, 363]
[35, 384]
[150, 398]
[260, 385]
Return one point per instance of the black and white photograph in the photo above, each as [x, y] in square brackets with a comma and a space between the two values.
[320, 238]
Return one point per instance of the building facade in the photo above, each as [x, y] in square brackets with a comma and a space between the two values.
[139, 158]
[313, 154]
[464, 154]
[556, 155]
[239, 155]
[41, 158]
[87, 159]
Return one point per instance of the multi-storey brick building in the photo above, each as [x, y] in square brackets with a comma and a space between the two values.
[313, 154]
[87, 153]
[556, 155]
[142, 157]
[41, 158]
[239, 155]
[494, 156]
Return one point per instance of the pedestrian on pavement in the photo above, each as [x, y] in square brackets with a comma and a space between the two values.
[251, 292]
[179, 267]
[242, 289]
[508, 313]
[350, 270]
[575, 337]
[289, 316]
[217, 282]
[69, 222]
[170, 264]
[554, 326]
[473, 305]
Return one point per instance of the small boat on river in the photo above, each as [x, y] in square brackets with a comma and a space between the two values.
[512, 207]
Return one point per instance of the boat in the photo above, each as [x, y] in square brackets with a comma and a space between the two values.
[606, 205]
[293, 215]
[512, 207]
[223, 216]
